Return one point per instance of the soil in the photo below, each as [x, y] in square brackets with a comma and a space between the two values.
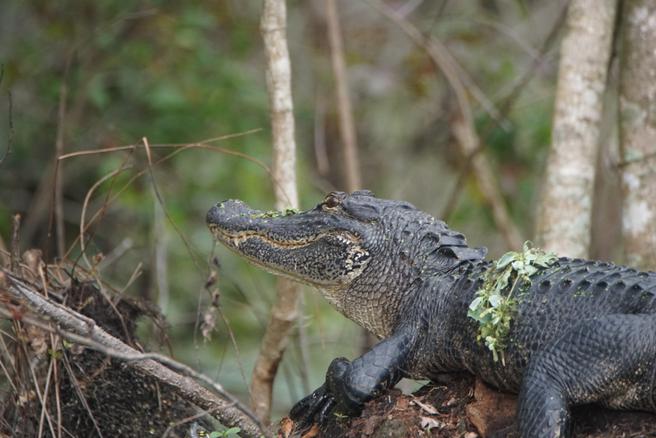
[463, 407]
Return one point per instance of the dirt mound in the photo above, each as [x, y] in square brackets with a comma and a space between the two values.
[458, 406]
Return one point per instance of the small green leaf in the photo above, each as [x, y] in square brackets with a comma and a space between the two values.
[476, 303]
[495, 300]
[494, 306]
[506, 259]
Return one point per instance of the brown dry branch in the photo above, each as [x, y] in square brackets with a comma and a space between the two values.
[506, 103]
[638, 132]
[58, 197]
[564, 213]
[464, 129]
[4, 257]
[10, 133]
[82, 330]
[178, 148]
[344, 110]
[285, 310]
[15, 242]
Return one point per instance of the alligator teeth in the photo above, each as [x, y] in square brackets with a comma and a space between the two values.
[239, 238]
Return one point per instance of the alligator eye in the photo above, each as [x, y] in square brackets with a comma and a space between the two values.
[331, 201]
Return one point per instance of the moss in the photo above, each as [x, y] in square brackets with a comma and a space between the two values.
[275, 213]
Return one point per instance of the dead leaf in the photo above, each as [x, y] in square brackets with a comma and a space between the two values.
[426, 407]
[314, 431]
[428, 423]
[286, 427]
[37, 340]
[208, 325]
[402, 403]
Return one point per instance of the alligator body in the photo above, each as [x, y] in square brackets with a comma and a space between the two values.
[583, 331]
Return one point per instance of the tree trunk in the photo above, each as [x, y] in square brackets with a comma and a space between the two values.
[285, 310]
[563, 224]
[638, 132]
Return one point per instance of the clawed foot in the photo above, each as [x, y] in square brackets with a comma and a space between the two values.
[330, 398]
[314, 408]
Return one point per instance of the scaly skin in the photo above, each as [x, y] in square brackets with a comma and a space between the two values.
[584, 331]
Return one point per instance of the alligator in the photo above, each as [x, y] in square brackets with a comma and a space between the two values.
[582, 331]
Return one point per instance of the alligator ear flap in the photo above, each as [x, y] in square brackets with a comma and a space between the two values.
[467, 253]
[463, 253]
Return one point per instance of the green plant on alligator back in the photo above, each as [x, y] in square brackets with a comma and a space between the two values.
[495, 303]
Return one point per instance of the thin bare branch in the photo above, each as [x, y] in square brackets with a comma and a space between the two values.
[10, 134]
[80, 394]
[15, 242]
[344, 110]
[195, 258]
[59, 167]
[463, 129]
[505, 106]
[178, 149]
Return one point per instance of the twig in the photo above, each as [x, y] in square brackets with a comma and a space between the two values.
[40, 396]
[15, 242]
[159, 274]
[344, 110]
[85, 204]
[504, 108]
[233, 340]
[4, 258]
[79, 329]
[160, 199]
[80, 394]
[59, 166]
[44, 405]
[320, 153]
[178, 149]
[10, 135]
[463, 129]
[284, 313]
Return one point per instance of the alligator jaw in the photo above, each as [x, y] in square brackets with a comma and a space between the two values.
[283, 243]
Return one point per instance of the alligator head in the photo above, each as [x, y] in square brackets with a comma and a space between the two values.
[362, 252]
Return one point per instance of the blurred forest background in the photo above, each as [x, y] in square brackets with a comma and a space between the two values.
[93, 76]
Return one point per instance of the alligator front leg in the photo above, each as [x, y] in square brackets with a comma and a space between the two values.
[350, 384]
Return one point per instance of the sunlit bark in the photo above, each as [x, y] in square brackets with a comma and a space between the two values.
[638, 132]
[563, 224]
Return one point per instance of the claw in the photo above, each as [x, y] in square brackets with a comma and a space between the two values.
[331, 396]
[326, 409]
[312, 408]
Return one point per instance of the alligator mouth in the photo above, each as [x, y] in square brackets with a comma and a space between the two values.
[238, 238]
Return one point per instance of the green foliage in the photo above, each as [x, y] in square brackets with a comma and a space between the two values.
[495, 303]
[232, 432]
[276, 213]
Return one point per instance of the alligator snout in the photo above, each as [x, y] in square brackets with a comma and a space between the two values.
[230, 215]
